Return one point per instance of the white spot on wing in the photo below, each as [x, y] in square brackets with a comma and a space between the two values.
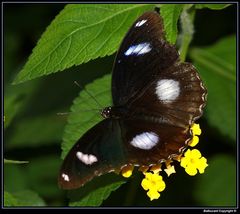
[167, 90]
[140, 23]
[65, 177]
[146, 140]
[88, 159]
[139, 49]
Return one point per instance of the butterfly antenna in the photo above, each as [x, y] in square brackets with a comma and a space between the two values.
[63, 113]
[80, 86]
[67, 113]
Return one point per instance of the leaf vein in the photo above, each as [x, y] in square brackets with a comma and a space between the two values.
[82, 28]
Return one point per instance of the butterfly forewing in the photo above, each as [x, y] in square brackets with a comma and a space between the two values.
[149, 79]
[177, 97]
[142, 51]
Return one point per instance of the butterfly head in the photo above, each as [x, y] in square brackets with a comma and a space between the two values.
[106, 112]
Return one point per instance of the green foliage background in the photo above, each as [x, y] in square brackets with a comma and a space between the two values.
[81, 41]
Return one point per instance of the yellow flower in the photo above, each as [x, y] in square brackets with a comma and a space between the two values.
[170, 169]
[127, 171]
[193, 161]
[154, 183]
[194, 141]
[195, 128]
[152, 194]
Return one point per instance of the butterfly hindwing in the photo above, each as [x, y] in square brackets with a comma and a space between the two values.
[149, 143]
[98, 151]
[112, 144]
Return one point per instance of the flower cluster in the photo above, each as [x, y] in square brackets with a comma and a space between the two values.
[153, 183]
[191, 160]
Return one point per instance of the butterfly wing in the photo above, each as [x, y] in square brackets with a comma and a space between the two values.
[98, 151]
[141, 52]
[177, 97]
[114, 143]
[150, 80]
[148, 143]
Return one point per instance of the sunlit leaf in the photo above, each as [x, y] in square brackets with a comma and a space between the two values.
[9, 200]
[80, 120]
[80, 32]
[96, 191]
[23, 198]
[170, 14]
[85, 112]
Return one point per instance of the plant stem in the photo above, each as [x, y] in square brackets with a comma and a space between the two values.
[187, 30]
[15, 161]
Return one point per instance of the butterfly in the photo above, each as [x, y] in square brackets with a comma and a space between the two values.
[156, 98]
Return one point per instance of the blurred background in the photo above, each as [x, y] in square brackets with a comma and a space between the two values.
[33, 130]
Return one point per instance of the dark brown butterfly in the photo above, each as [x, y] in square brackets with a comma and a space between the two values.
[155, 97]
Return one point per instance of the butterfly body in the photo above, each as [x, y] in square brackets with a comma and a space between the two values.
[155, 97]
[114, 112]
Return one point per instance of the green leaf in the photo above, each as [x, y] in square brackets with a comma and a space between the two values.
[96, 191]
[85, 111]
[80, 32]
[217, 186]
[212, 6]
[9, 200]
[39, 175]
[170, 14]
[23, 198]
[217, 67]
[80, 120]
[42, 175]
[27, 134]
[15, 97]
[11, 184]
[12, 103]
[14, 161]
